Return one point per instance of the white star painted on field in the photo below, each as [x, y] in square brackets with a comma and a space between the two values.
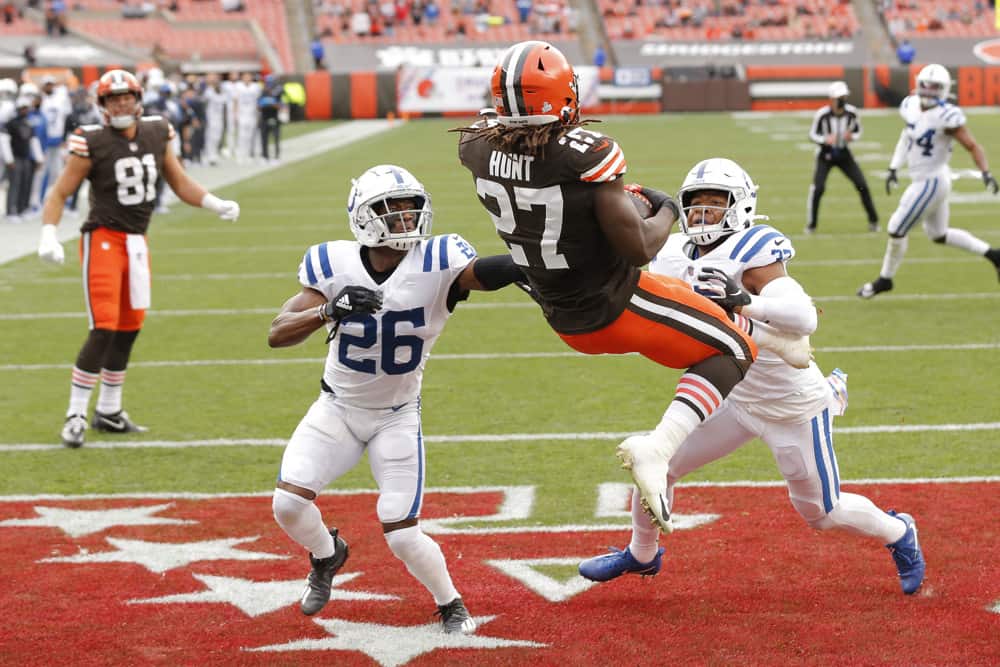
[391, 645]
[255, 598]
[549, 588]
[76, 523]
[163, 556]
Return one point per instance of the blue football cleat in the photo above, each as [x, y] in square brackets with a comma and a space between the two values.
[908, 556]
[615, 564]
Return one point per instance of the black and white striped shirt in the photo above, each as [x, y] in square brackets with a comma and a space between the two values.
[825, 122]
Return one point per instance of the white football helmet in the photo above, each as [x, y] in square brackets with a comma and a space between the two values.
[725, 176]
[368, 209]
[933, 85]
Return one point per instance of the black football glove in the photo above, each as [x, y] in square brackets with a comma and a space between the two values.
[352, 300]
[722, 289]
[657, 198]
[990, 182]
[891, 181]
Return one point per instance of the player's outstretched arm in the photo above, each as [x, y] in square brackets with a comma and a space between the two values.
[634, 238]
[193, 194]
[964, 137]
[76, 169]
[779, 300]
[490, 273]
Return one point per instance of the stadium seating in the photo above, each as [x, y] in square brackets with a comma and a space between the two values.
[467, 21]
[967, 19]
[198, 28]
[701, 20]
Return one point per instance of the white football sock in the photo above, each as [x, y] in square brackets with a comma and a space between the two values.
[81, 386]
[959, 238]
[859, 515]
[109, 399]
[424, 560]
[301, 520]
[645, 533]
[895, 250]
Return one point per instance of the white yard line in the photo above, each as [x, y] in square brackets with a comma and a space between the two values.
[507, 438]
[488, 356]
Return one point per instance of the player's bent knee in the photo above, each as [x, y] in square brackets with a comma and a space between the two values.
[823, 523]
[394, 507]
[939, 239]
[813, 512]
[404, 543]
[287, 506]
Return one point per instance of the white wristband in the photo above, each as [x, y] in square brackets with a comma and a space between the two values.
[211, 202]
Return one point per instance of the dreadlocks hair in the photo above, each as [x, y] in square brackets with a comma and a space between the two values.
[528, 139]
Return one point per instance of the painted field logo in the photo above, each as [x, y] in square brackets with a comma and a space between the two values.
[211, 580]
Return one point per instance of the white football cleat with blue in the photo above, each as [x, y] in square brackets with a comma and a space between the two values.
[647, 457]
[615, 564]
[908, 555]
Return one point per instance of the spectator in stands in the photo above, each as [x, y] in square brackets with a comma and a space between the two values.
[232, 5]
[905, 52]
[29, 55]
[523, 10]
[55, 18]
[432, 12]
[600, 57]
[10, 12]
[318, 52]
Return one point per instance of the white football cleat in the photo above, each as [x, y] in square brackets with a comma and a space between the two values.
[647, 458]
[793, 350]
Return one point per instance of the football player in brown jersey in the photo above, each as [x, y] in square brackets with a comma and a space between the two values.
[121, 159]
[556, 195]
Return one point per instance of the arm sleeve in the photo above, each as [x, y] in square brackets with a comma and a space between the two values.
[784, 305]
[814, 134]
[899, 155]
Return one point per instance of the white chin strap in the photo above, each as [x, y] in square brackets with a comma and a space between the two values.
[122, 122]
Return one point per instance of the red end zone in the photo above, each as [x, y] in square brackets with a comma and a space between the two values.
[218, 583]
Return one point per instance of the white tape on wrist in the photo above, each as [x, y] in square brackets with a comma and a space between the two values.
[211, 202]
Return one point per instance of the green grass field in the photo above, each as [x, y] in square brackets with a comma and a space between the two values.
[201, 370]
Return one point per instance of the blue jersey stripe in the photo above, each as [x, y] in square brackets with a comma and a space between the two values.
[833, 457]
[761, 242]
[916, 203]
[428, 257]
[746, 239]
[933, 184]
[324, 261]
[443, 252]
[821, 467]
[415, 507]
[310, 273]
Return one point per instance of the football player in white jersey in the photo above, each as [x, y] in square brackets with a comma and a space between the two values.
[925, 145]
[742, 266]
[384, 300]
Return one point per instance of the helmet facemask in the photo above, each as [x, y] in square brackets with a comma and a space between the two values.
[389, 208]
[121, 121]
[933, 86]
[731, 182]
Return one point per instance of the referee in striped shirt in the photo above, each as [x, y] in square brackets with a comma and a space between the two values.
[834, 126]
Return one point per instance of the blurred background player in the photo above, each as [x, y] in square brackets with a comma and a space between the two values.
[22, 155]
[246, 92]
[121, 164]
[742, 266]
[272, 108]
[930, 124]
[216, 101]
[37, 121]
[8, 94]
[56, 106]
[834, 127]
[554, 191]
[392, 289]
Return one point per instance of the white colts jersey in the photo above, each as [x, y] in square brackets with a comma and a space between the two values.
[929, 146]
[771, 389]
[377, 361]
[246, 100]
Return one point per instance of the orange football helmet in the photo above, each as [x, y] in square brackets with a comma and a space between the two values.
[534, 84]
[119, 82]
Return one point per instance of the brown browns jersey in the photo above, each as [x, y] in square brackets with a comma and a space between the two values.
[543, 208]
[123, 172]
